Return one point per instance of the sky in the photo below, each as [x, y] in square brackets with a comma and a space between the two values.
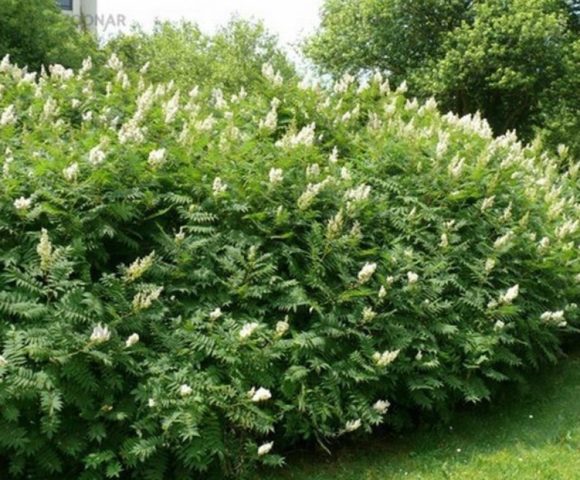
[291, 20]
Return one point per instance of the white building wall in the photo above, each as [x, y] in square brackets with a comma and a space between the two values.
[89, 8]
[86, 9]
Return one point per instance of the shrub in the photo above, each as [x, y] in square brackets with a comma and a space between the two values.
[188, 277]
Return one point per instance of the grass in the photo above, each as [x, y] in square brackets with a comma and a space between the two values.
[531, 434]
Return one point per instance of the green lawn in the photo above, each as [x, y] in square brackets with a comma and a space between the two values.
[532, 434]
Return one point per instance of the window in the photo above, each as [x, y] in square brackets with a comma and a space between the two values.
[65, 4]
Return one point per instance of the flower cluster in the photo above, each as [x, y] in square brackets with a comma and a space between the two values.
[555, 318]
[144, 300]
[219, 187]
[133, 339]
[312, 191]
[385, 358]
[305, 137]
[248, 329]
[259, 395]
[22, 203]
[276, 175]
[138, 268]
[100, 334]
[381, 406]
[45, 251]
[510, 295]
[366, 272]
[157, 158]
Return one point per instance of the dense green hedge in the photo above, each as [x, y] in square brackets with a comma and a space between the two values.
[188, 277]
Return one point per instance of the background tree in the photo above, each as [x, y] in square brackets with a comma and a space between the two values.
[515, 61]
[559, 112]
[390, 35]
[230, 58]
[503, 63]
[36, 33]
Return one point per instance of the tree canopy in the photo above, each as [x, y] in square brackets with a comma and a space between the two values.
[515, 61]
[230, 58]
